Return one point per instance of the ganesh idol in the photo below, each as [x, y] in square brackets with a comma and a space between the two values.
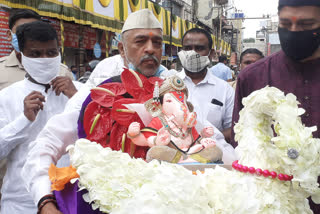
[171, 134]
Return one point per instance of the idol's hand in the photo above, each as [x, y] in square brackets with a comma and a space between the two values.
[207, 143]
[207, 132]
[134, 129]
[163, 137]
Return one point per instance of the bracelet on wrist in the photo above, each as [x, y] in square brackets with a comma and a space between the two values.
[49, 196]
[45, 202]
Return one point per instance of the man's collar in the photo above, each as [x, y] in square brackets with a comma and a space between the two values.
[13, 61]
[46, 86]
[209, 78]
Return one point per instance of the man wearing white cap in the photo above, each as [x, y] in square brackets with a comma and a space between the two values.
[136, 20]
[141, 49]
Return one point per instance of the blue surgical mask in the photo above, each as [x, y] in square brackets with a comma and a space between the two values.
[157, 74]
[131, 66]
[160, 70]
[14, 42]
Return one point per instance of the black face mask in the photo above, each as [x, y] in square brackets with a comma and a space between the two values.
[299, 45]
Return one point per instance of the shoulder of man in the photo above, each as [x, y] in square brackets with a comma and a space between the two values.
[3, 61]
[6, 92]
[64, 71]
[108, 67]
[63, 66]
[225, 67]
[220, 82]
[116, 59]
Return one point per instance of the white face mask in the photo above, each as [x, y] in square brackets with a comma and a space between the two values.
[42, 70]
[192, 61]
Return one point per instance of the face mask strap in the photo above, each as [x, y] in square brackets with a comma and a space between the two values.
[209, 53]
[128, 61]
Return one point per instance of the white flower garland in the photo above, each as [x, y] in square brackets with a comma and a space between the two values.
[118, 184]
[115, 182]
[266, 107]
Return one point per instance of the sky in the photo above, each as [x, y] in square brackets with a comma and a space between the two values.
[255, 8]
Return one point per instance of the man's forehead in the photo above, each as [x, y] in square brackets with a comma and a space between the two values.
[252, 55]
[300, 13]
[195, 39]
[157, 33]
[41, 45]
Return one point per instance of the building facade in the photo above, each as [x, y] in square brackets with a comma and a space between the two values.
[89, 29]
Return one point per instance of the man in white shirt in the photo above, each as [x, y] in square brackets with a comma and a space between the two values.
[221, 70]
[26, 106]
[140, 49]
[11, 69]
[212, 97]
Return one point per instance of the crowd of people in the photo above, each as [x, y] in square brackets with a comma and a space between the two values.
[40, 103]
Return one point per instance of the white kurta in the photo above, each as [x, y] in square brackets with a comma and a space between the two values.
[61, 131]
[16, 132]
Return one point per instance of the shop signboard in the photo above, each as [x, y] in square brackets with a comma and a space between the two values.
[89, 37]
[103, 42]
[71, 34]
[116, 40]
[5, 45]
[163, 49]
[97, 50]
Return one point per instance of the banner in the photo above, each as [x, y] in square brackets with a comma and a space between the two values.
[5, 44]
[229, 50]
[71, 33]
[95, 13]
[214, 43]
[89, 37]
[107, 15]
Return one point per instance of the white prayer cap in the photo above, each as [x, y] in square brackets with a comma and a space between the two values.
[141, 19]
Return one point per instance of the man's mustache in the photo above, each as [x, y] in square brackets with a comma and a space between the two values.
[148, 57]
